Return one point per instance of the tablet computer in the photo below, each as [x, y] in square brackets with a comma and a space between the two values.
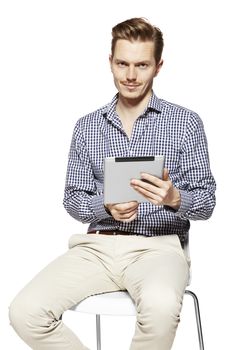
[118, 172]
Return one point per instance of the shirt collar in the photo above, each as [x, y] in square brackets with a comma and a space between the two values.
[154, 105]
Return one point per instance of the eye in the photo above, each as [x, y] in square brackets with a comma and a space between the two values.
[142, 65]
[121, 64]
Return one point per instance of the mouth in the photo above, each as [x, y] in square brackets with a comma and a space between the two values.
[130, 86]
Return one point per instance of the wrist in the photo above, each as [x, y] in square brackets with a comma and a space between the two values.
[176, 199]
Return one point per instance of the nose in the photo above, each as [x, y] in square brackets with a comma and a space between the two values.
[131, 73]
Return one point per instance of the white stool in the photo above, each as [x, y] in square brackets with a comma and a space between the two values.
[120, 303]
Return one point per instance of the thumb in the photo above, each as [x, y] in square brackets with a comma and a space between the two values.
[165, 174]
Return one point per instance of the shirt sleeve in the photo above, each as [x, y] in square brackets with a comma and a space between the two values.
[197, 185]
[81, 198]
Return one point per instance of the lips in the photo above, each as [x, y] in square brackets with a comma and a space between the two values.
[131, 85]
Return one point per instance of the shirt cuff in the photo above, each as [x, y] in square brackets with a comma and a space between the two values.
[186, 203]
[98, 207]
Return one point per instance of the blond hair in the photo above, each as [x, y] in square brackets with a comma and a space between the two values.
[138, 29]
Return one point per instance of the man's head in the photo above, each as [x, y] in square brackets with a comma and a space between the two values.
[138, 29]
[135, 58]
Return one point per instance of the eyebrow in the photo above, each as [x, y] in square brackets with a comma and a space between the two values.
[118, 60]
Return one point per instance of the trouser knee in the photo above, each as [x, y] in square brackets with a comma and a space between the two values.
[160, 314]
[30, 320]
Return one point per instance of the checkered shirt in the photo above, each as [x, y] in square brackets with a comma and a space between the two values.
[163, 128]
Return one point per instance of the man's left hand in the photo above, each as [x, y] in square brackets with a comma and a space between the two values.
[158, 191]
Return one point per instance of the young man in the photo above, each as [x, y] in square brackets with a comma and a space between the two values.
[132, 246]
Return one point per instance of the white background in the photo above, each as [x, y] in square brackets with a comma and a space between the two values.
[54, 69]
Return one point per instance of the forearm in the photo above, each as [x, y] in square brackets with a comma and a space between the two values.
[83, 200]
[196, 183]
[196, 205]
[84, 207]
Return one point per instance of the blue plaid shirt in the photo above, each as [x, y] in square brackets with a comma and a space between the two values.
[163, 128]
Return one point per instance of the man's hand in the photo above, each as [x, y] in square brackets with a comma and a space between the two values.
[157, 191]
[124, 212]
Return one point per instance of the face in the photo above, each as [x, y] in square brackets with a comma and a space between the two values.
[133, 67]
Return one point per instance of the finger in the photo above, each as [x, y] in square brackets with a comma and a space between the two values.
[152, 197]
[123, 217]
[133, 217]
[133, 206]
[126, 206]
[127, 215]
[152, 179]
[121, 209]
[155, 180]
[148, 187]
[128, 211]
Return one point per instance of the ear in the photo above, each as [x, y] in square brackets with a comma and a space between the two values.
[110, 61]
[158, 67]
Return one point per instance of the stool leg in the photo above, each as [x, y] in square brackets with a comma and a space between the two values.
[98, 332]
[198, 318]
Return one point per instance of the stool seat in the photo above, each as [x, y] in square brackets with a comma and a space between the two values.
[113, 303]
[121, 304]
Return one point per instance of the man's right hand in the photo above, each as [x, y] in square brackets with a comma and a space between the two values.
[124, 212]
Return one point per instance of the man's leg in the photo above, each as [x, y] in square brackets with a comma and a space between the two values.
[36, 311]
[156, 280]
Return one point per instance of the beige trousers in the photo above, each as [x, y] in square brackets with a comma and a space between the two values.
[154, 270]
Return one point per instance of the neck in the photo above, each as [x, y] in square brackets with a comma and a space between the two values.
[132, 108]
